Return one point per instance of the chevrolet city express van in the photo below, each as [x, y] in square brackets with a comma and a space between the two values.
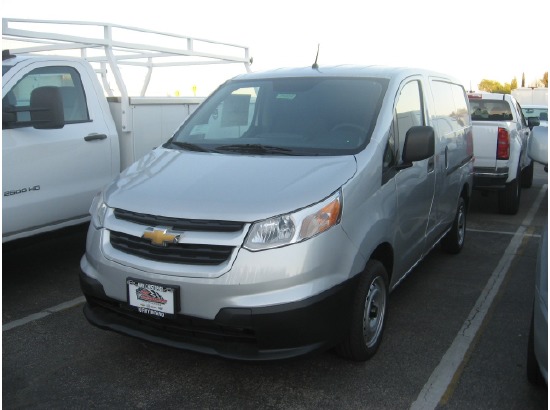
[280, 215]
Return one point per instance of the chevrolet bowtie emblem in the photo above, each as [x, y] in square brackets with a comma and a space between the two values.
[160, 236]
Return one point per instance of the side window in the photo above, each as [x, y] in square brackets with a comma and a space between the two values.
[389, 152]
[408, 112]
[451, 108]
[445, 118]
[66, 79]
[461, 106]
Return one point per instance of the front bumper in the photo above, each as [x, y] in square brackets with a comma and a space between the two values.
[257, 333]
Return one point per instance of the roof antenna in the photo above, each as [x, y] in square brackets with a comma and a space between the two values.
[315, 66]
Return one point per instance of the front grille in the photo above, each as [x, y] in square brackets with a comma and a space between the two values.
[192, 254]
[180, 253]
[177, 223]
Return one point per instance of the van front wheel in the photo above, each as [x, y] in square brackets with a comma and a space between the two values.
[370, 304]
[454, 240]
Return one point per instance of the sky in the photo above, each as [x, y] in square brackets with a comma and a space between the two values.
[469, 39]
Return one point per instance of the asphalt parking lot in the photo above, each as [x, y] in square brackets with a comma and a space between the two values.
[456, 333]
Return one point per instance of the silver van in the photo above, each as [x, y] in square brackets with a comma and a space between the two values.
[280, 215]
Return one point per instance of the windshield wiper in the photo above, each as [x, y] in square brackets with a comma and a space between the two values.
[191, 147]
[256, 149]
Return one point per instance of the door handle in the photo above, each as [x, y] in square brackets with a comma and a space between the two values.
[431, 164]
[94, 137]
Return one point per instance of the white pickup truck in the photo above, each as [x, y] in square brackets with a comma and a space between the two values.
[500, 134]
[64, 136]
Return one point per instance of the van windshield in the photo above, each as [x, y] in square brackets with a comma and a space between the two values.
[290, 116]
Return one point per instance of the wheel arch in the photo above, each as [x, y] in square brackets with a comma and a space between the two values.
[385, 255]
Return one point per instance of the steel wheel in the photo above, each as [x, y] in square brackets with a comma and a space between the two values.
[374, 313]
[461, 224]
[454, 240]
[370, 303]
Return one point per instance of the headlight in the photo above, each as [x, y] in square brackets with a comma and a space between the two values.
[98, 210]
[295, 227]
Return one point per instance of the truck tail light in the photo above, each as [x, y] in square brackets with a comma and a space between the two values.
[503, 144]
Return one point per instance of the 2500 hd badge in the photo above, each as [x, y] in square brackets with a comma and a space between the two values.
[22, 190]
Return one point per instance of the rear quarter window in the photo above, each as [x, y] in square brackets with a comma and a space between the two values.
[451, 107]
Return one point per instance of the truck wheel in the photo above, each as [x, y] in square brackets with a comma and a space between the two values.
[454, 240]
[527, 176]
[370, 304]
[508, 198]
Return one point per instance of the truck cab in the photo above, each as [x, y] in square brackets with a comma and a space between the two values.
[59, 143]
[69, 125]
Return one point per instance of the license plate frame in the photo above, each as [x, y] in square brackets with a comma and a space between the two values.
[152, 299]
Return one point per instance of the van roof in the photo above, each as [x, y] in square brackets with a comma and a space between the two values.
[346, 70]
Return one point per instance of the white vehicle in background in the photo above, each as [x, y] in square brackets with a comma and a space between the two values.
[539, 112]
[531, 95]
[500, 134]
[537, 350]
[62, 139]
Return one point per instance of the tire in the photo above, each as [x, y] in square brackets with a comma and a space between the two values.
[527, 176]
[508, 198]
[453, 242]
[533, 371]
[370, 304]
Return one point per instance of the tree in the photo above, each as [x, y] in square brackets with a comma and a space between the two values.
[544, 79]
[514, 84]
[492, 86]
[523, 80]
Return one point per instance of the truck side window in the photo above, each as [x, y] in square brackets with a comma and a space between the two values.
[408, 112]
[70, 86]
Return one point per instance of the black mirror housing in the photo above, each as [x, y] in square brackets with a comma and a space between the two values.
[533, 122]
[46, 108]
[419, 144]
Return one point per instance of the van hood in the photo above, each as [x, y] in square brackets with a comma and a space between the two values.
[244, 188]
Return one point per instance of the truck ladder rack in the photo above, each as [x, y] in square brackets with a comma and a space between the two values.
[113, 45]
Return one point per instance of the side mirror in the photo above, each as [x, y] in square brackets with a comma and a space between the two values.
[419, 144]
[533, 122]
[537, 147]
[46, 108]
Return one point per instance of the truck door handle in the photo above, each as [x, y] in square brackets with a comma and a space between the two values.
[93, 137]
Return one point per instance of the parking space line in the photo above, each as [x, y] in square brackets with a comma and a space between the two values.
[454, 359]
[42, 314]
[533, 235]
